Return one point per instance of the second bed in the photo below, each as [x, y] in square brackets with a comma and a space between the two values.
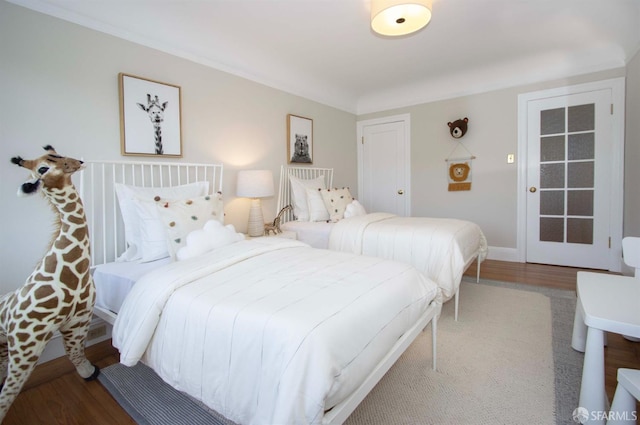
[442, 248]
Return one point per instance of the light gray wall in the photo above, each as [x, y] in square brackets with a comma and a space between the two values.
[492, 135]
[58, 85]
[632, 150]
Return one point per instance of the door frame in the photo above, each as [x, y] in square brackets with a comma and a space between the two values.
[406, 120]
[617, 87]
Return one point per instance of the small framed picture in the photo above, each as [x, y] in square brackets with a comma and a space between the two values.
[150, 117]
[299, 139]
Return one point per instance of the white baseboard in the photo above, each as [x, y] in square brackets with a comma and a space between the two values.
[503, 254]
[55, 348]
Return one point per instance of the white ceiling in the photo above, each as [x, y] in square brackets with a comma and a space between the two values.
[325, 50]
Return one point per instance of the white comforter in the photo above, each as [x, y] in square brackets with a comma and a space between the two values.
[270, 331]
[440, 247]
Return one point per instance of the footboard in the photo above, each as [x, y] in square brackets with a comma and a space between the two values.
[341, 412]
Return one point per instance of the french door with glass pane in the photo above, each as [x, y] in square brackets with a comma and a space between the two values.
[568, 179]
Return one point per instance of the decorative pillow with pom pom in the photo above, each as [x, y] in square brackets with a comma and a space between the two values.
[127, 195]
[184, 216]
[336, 201]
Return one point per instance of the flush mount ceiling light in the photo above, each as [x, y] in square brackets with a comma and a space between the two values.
[399, 17]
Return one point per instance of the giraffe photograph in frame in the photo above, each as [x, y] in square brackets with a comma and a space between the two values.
[299, 139]
[150, 117]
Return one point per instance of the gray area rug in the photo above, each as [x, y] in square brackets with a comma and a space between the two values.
[474, 383]
[151, 401]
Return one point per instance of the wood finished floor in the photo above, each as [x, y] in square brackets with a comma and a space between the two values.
[56, 395]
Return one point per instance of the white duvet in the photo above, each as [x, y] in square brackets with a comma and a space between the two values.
[270, 331]
[442, 248]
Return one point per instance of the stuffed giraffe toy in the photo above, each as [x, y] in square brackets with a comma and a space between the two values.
[274, 226]
[59, 294]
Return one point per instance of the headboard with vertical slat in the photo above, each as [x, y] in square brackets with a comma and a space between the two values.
[304, 173]
[97, 189]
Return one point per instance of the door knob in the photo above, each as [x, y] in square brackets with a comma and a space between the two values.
[532, 189]
[400, 192]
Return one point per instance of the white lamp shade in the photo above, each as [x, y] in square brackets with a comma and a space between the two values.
[255, 184]
[399, 17]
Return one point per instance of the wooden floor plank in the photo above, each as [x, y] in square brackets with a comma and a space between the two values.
[62, 397]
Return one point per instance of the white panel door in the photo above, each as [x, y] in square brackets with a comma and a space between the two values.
[569, 140]
[384, 172]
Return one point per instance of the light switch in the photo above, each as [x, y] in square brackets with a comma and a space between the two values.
[511, 158]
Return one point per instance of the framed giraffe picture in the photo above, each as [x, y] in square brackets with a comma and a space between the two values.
[150, 117]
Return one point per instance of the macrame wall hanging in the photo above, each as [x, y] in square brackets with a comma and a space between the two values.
[459, 173]
[459, 168]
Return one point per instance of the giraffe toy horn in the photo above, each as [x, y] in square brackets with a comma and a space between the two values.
[50, 149]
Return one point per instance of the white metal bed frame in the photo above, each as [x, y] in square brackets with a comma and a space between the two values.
[308, 173]
[304, 173]
[97, 189]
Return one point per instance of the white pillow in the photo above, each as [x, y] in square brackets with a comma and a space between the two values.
[317, 209]
[354, 209]
[213, 235]
[151, 244]
[336, 201]
[299, 195]
[126, 194]
[182, 217]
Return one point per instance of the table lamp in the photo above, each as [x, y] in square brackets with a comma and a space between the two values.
[255, 184]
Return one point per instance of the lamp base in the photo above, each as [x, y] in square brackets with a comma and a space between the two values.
[256, 221]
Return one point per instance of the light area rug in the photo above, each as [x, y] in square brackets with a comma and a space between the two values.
[567, 362]
[495, 366]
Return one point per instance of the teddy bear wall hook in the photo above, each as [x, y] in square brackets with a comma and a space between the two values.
[458, 128]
